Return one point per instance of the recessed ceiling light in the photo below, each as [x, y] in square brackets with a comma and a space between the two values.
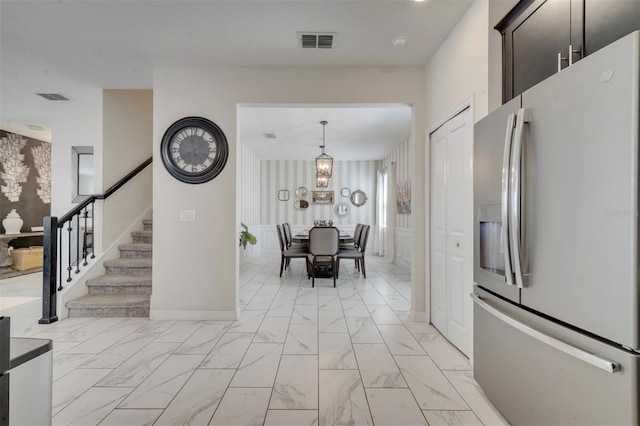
[35, 127]
[418, 1]
[399, 41]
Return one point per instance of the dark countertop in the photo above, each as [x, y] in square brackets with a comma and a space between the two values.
[23, 349]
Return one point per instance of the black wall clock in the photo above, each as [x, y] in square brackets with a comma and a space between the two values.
[194, 150]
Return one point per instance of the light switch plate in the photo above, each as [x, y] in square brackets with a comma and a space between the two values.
[187, 215]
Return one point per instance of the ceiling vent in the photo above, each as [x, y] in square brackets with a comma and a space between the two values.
[270, 135]
[316, 40]
[53, 96]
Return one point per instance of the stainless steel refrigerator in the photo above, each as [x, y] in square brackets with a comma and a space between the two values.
[556, 312]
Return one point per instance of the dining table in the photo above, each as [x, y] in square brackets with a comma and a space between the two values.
[303, 237]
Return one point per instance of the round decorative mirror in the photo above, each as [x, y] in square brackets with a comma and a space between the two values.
[301, 192]
[345, 192]
[358, 198]
[301, 204]
[341, 209]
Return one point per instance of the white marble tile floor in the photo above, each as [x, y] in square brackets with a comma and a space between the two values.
[297, 356]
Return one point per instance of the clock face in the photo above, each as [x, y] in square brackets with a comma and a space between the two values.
[194, 150]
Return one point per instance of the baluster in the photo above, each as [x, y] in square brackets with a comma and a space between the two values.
[93, 236]
[84, 238]
[69, 268]
[77, 241]
[60, 261]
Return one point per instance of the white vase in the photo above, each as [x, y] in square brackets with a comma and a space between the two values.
[12, 223]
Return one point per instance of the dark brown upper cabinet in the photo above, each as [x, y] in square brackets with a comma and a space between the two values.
[541, 37]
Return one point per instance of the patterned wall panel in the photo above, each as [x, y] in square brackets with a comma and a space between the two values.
[25, 178]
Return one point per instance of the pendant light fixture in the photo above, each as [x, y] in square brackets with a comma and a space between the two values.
[324, 164]
[322, 182]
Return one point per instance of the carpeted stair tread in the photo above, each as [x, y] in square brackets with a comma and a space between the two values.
[120, 280]
[136, 246]
[142, 233]
[107, 301]
[134, 262]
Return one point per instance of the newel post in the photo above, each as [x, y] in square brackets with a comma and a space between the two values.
[50, 271]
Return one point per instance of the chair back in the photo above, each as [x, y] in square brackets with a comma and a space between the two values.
[280, 237]
[356, 234]
[364, 237]
[324, 240]
[287, 234]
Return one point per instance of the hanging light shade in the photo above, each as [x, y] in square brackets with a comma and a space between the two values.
[322, 181]
[324, 162]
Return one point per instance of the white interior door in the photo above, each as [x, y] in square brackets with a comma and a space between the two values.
[438, 229]
[452, 230]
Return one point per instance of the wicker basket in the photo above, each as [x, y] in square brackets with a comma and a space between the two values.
[27, 258]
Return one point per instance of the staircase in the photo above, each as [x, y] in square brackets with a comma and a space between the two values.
[125, 289]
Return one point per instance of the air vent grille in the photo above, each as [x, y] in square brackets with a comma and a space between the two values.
[53, 96]
[270, 135]
[316, 40]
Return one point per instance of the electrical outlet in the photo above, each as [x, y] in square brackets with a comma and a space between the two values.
[187, 215]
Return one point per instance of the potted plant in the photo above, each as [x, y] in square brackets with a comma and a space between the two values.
[246, 237]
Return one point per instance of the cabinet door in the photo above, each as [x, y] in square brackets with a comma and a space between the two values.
[532, 42]
[605, 21]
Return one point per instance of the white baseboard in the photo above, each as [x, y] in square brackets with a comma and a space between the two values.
[156, 315]
[417, 316]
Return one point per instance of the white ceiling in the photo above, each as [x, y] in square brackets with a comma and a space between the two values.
[70, 47]
[357, 132]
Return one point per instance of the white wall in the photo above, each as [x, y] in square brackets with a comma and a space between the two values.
[290, 175]
[77, 123]
[465, 66]
[460, 67]
[127, 142]
[195, 263]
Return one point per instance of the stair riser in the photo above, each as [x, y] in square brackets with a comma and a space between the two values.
[129, 289]
[108, 312]
[143, 239]
[117, 270]
[129, 254]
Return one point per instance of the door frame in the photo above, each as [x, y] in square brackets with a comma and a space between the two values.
[466, 103]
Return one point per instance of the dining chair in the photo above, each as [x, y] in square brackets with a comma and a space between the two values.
[352, 243]
[356, 254]
[287, 254]
[288, 236]
[323, 246]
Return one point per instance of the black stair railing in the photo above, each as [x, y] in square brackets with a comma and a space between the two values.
[53, 272]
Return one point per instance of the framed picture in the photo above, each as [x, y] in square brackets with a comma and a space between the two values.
[283, 195]
[322, 197]
[404, 197]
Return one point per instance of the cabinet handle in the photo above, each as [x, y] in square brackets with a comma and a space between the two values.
[572, 52]
[560, 59]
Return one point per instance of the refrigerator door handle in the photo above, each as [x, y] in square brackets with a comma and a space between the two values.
[590, 358]
[504, 234]
[515, 212]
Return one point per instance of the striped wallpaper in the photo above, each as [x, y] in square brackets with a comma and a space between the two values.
[249, 186]
[289, 175]
[400, 156]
